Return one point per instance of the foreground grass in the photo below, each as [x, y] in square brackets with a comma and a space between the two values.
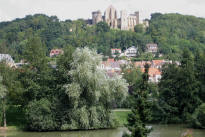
[121, 116]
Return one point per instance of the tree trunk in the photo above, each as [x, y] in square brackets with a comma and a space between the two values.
[4, 112]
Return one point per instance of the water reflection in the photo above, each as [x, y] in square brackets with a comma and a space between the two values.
[159, 131]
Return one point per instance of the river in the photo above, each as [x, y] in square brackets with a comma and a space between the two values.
[159, 131]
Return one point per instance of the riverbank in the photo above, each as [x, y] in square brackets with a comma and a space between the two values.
[159, 131]
[121, 116]
[9, 128]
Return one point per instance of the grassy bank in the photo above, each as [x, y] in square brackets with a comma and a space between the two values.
[121, 115]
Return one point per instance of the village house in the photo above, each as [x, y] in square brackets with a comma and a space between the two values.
[130, 52]
[56, 52]
[8, 59]
[154, 75]
[112, 67]
[114, 52]
[151, 48]
[153, 64]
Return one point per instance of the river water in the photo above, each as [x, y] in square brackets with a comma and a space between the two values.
[159, 131]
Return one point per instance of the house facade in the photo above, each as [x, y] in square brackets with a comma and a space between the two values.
[56, 52]
[151, 48]
[113, 67]
[131, 52]
[114, 52]
[8, 59]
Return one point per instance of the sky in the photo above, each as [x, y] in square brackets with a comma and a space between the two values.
[75, 9]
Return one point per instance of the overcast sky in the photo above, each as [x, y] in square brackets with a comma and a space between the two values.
[74, 9]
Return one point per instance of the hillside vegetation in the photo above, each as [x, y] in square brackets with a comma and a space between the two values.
[172, 32]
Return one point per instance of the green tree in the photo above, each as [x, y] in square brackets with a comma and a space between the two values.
[3, 94]
[141, 110]
[37, 80]
[197, 120]
[179, 90]
[189, 86]
[139, 28]
[168, 103]
[102, 27]
[200, 73]
[90, 93]
[40, 116]
[133, 77]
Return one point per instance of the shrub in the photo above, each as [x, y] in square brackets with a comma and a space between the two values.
[198, 117]
[39, 116]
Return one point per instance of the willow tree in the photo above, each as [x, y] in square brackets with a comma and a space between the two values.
[91, 93]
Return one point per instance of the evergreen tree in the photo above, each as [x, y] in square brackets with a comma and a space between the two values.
[188, 87]
[168, 103]
[141, 110]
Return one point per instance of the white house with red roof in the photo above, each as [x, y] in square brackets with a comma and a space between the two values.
[114, 52]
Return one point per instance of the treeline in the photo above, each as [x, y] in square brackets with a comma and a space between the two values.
[74, 95]
[172, 32]
[181, 91]
[177, 98]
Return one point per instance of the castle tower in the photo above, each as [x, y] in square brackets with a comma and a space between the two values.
[111, 17]
[123, 20]
[96, 17]
[137, 17]
[133, 20]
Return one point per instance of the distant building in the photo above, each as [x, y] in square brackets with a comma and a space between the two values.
[131, 52]
[96, 17]
[151, 48]
[8, 59]
[112, 67]
[56, 52]
[154, 75]
[125, 22]
[128, 22]
[114, 52]
[110, 17]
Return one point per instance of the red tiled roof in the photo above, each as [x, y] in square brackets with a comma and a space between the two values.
[115, 49]
[141, 63]
[110, 60]
[157, 62]
[152, 71]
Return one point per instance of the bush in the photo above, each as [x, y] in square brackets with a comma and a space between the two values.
[15, 116]
[39, 116]
[198, 117]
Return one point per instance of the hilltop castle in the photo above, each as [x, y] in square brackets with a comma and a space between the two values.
[125, 22]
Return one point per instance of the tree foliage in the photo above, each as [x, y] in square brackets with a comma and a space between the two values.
[141, 112]
[179, 90]
[198, 120]
[77, 94]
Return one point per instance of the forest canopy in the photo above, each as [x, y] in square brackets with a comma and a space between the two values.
[172, 32]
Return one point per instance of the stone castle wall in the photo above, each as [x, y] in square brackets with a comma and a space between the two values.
[125, 22]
